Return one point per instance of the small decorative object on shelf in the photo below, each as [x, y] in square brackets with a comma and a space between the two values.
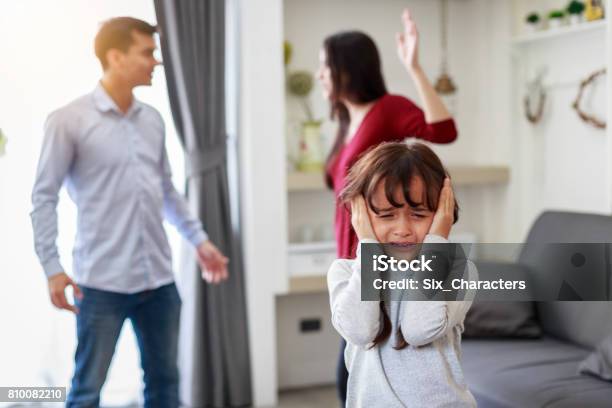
[299, 84]
[311, 151]
[587, 118]
[3, 141]
[594, 10]
[575, 10]
[445, 87]
[533, 22]
[556, 18]
[535, 88]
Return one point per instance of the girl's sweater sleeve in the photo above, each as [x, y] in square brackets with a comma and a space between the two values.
[357, 321]
[423, 322]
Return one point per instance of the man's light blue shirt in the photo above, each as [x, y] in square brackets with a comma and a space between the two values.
[115, 168]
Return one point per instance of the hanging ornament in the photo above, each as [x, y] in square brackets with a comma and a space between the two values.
[445, 87]
[590, 119]
[535, 88]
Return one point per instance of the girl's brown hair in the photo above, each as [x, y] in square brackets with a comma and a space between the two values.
[395, 164]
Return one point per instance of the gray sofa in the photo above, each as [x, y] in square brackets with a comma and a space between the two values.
[543, 372]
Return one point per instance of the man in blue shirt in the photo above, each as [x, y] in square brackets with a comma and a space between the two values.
[109, 150]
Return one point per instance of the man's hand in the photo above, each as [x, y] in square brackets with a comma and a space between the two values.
[57, 286]
[361, 219]
[444, 217]
[212, 262]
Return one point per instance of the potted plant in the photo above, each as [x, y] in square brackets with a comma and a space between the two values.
[299, 84]
[532, 22]
[575, 10]
[556, 18]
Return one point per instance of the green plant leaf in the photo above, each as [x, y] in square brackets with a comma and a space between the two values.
[300, 83]
[532, 18]
[556, 14]
[575, 7]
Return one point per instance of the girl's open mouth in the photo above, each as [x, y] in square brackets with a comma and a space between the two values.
[403, 244]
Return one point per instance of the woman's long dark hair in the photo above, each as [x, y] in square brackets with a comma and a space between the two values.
[356, 75]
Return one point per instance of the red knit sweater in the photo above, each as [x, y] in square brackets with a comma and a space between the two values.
[392, 118]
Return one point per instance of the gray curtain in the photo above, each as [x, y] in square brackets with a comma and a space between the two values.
[214, 356]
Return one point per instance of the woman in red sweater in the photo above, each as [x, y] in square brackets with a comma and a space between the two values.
[351, 78]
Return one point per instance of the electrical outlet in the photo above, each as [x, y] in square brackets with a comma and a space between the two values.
[310, 325]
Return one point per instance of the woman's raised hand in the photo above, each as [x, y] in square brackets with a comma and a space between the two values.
[445, 213]
[360, 219]
[408, 42]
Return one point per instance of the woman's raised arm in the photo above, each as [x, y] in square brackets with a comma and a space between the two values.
[408, 52]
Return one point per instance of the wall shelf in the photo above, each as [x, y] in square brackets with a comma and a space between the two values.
[553, 33]
[467, 175]
[307, 284]
[309, 247]
[302, 181]
[463, 175]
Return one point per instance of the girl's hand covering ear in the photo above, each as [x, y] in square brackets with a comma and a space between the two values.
[360, 219]
[444, 217]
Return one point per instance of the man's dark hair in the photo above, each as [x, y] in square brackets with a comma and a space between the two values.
[117, 33]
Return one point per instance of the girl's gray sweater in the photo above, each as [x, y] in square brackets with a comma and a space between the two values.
[426, 373]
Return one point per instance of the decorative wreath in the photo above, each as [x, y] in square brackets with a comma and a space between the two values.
[590, 119]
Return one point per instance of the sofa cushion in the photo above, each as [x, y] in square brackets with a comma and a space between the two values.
[530, 373]
[599, 362]
[502, 319]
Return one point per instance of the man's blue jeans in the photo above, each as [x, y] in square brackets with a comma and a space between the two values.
[155, 315]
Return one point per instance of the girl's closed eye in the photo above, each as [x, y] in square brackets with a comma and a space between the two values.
[386, 214]
[418, 211]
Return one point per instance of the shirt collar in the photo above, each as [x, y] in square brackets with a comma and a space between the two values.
[105, 103]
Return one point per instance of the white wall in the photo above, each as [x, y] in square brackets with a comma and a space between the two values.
[262, 152]
[564, 162]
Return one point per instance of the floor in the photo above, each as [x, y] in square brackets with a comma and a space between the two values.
[319, 397]
[316, 397]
